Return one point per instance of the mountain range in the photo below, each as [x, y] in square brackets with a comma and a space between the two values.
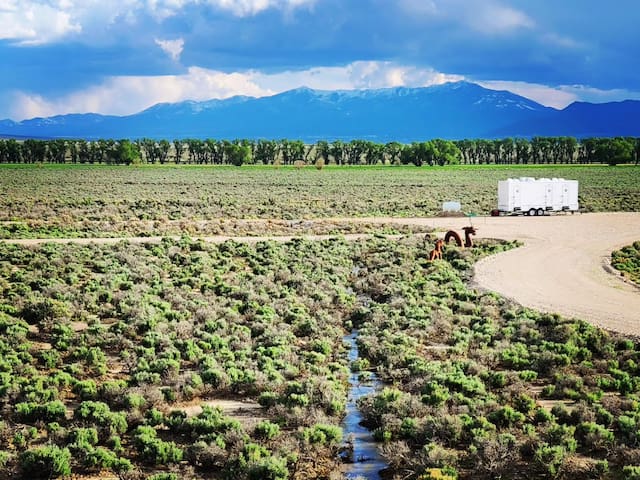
[449, 111]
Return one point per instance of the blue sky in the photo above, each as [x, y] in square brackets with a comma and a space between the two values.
[121, 56]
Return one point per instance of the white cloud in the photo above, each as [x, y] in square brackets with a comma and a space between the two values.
[488, 17]
[497, 19]
[543, 94]
[596, 95]
[130, 94]
[354, 76]
[28, 22]
[561, 41]
[562, 95]
[35, 22]
[419, 7]
[243, 8]
[173, 48]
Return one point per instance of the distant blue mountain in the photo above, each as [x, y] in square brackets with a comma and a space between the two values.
[582, 119]
[451, 111]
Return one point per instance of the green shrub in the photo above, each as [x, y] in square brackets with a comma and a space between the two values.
[268, 399]
[323, 434]
[435, 394]
[163, 476]
[267, 430]
[505, 417]
[542, 415]
[153, 450]
[49, 412]
[46, 462]
[153, 417]
[84, 436]
[594, 436]
[268, 468]
[86, 389]
[550, 458]
[408, 428]
[524, 403]
[382, 435]
[528, 375]
[100, 414]
[631, 472]
[134, 400]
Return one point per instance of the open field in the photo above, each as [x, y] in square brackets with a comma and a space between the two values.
[228, 359]
[107, 350]
[98, 201]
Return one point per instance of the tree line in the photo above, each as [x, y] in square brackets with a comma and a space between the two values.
[507, 151]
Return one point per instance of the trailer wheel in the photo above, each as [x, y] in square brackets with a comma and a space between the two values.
[540, 212]
[532, 212]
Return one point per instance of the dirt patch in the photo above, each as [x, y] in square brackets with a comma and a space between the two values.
[78, 326]
[94, 476]
[39, 346]
[248, 413]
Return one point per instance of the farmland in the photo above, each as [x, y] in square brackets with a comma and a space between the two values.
[188, 359]
[98, 201]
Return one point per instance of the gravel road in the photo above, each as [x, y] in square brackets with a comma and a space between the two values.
[562, 267]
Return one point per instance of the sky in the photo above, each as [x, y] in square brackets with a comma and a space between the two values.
[121, 56]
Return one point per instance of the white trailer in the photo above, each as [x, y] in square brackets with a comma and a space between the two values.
[531, 196]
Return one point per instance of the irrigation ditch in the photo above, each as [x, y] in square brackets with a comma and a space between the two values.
[361, 455]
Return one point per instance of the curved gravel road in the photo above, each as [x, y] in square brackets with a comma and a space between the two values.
[561, 268]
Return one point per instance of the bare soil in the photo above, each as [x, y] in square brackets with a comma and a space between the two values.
[247, 412]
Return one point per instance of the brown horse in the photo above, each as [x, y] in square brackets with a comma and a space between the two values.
[436, 253]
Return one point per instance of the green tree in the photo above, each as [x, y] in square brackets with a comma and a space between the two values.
[338, 151]
[56, 151]
[265, 152]
[126, 152]
[292, 151]
[523, 151]
[34, 151]
[163, 147]
[238, 154]
[614, 151]
[323, 150]
[355, 149]
[393, 150]
[178, 149]
[445, 152]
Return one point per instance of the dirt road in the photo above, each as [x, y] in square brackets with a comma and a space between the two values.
[560, 268]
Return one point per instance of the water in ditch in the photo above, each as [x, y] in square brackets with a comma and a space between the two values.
[362, 456]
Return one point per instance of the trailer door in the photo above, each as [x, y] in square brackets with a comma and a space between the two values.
[515, 196]
[558, 186]
[548, 196]
[566, 199]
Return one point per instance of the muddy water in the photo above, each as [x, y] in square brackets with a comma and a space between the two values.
[365, 461]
